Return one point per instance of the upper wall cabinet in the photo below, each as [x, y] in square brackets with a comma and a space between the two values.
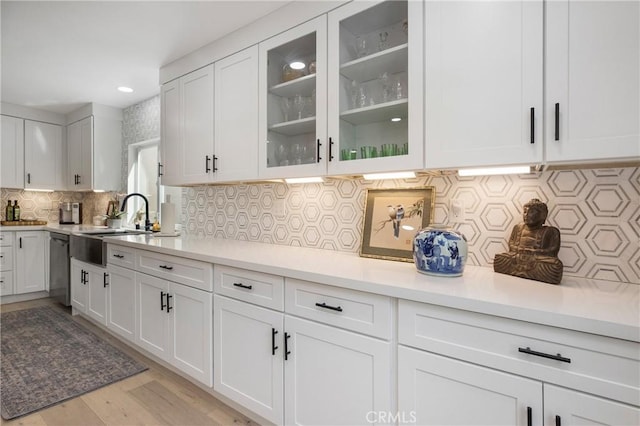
[484, 76]
[94, 149]
[293, 98]
[375, 96]
[592, 84]
[43, 156]
[12, 149]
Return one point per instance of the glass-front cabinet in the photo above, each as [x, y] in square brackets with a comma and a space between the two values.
[293, 89]
[375, 87]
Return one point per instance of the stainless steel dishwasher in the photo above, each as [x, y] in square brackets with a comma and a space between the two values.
[59, 283]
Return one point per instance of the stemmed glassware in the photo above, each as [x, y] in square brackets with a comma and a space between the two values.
[298, 106]
[285, 104]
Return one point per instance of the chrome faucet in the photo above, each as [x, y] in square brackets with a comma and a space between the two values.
[147, 222]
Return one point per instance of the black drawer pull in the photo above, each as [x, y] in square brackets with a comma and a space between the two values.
[529, 417]
[273, 341]
[286, 346]
[325, 306]
[248, 287]
[558, 421]
[557, 357]
[162, 305]
[169, 307]
[168, 268]
[119, 256]
[105, 282]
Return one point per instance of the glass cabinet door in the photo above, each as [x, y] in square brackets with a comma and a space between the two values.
[293, 102]
[375, 87]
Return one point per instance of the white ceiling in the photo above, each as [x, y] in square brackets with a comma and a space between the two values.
[60, 55]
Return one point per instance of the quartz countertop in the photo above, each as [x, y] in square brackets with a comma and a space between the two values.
[593, 306]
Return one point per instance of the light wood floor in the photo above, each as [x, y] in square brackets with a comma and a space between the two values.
[155, 397]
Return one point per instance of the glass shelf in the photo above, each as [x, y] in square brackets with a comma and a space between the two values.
[295, 127]
[299, 86]
[377, 113]
[392, 61]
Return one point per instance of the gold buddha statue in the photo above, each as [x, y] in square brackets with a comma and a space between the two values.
[533, 247]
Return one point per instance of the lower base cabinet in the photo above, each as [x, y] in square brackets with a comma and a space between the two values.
[294, 371]
[174, 322]
[121, 303]
[89, 290]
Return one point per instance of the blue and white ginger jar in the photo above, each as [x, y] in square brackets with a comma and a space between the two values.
[441, 251]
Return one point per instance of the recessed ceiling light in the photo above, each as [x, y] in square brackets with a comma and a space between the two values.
[297, 65]
[125, 89]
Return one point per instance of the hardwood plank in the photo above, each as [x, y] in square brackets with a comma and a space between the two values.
[115, 407]
[34, 419]
[74, 412]
[166, 406]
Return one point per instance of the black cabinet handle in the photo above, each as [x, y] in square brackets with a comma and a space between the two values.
[119, 256]
[159, 169]
[273, 341]
[286, 346]
[325, 306]
[330, 149]
[207, 169]
[78, 179]
[558, 421]
[28, 177]
[81, 277]
[105, 280]
[557, 357]
[84, 279]
[168, 268]
[248, 287]
[215, 164]
[20, 242]
[529, 417]
[162, 305]
[169, 307]
[557, 123]
[318, 145]
[533, 125]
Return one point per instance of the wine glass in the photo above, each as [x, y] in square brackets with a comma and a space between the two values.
[382, 43]
[298, 105]
[285, 104]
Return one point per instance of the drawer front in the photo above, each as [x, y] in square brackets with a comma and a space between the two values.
[6, 239]
[6, 283]
[6, 258]
[121, 256]
[253, 287]
[596, 364]
[178, 269]
[350, 309]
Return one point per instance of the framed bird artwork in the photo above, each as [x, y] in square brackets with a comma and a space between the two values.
[392, 217]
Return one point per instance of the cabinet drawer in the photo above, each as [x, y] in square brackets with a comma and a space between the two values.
[253, 287]
[6, 258]
[185, 271]
[350, 309]
[592, 363]
[6, 283]
[6, 239]
[121, 256]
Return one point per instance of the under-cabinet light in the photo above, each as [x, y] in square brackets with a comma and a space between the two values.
[297, 65]
[38, 190]
[98, 190]
[396, 119]
[316, 179]
[125, 89]
[513, 170]
[395, 175]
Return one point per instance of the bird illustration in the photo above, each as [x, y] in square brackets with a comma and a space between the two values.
[396, 213]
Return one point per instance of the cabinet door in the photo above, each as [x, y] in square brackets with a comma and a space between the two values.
[435, 390]
[334, 376]
[12, 152]
[248, 354]
[593, 63]
[196, 144]
[152, 320]
[236, 111]
[79, 154]
[571, 408]
[483, 78]
[43, 156]
[121, 303]
[293, 103]
[170, 141]
[376, 87]
[191, 333]
[79, 289]
[30, 261]
[97, 300]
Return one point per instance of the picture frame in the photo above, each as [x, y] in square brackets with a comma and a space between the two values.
[387, 236]
[112, 208]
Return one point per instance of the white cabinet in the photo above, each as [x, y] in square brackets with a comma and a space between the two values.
[484, 76]
[89, 290]
[12, 152]
[187, 128]
[236, 117]
[592, 87]
[44, 151]
[29, 249]
[79, 289]
[6, 263]
[121, 302]
[80, 154]
[174, 322]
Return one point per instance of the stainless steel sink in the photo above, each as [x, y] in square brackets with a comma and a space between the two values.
[89, 246]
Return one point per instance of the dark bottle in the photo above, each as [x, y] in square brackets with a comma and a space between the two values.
[16, 210]
[9, 211]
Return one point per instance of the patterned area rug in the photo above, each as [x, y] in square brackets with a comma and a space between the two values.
[48, 358]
